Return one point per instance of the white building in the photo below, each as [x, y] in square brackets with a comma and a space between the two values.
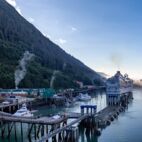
[117, 87]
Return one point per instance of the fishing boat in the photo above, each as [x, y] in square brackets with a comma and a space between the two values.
[23, 112]
[83, 97]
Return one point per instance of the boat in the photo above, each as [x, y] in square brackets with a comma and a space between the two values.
[83, 97]
[5, 103]
[23, 112]
[56, 117]
[117, 87]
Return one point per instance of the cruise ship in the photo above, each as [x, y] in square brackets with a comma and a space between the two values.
[118, 87]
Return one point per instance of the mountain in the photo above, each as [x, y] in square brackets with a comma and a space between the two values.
[18, 36]
[103, 74]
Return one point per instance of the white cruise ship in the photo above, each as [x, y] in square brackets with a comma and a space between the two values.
[118, 86]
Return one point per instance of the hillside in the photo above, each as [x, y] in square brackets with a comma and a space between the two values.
[18, 36]
[103, 74]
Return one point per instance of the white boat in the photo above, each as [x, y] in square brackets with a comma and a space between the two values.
[56, 117]
[23, 112]
[5, 103]
[84, 97]
[118, 87]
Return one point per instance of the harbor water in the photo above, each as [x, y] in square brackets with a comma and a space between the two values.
[127, 128]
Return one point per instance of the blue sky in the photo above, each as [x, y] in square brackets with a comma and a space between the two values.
[104, 34]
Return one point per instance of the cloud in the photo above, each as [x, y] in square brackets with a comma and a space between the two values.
[14, 4]
[61, 41]
[73, 29]
[31, 20]
[46, 35]
[18, 10]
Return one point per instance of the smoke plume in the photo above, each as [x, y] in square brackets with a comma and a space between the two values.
[21, 69]
[116, 60]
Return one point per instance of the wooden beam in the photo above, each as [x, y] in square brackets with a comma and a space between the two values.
[35, 132]
[10, 129]
[3, 130]
[21, 131]
[30, 130]
[39, 127]
[15, 132]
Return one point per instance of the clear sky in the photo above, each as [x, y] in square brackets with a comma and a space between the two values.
[104, 34]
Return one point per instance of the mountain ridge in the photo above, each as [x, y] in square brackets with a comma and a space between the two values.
[17, 35]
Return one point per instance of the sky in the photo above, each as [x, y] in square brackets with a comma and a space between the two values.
[106, 35]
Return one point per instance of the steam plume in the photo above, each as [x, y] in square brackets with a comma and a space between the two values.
[116, 60]
[21, 69]
[55, 72]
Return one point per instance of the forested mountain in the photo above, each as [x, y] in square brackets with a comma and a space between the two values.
[17, 36]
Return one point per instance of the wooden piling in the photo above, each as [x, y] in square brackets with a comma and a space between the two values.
[15, 132]
[21, 131]
[35, 136]
[30, 130]
[10, 129]
[38, 131]
[3, 130]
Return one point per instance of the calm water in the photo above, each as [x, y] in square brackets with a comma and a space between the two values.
[127, 128]
[99, 99]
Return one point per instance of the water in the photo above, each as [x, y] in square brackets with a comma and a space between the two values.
[127, 128]
[98, 98]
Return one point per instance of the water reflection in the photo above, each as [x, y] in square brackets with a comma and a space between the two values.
[87, 135]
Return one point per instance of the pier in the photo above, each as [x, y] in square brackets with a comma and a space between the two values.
[53, 127]
[88, 121]
[46, 129]
[38, 124]
[12, 107]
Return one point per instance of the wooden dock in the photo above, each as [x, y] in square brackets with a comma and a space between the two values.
[42, 120]
[55, 132]
[100, 118]
[59, 126]
[46, 128]
[8, 123]
[14, 105]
